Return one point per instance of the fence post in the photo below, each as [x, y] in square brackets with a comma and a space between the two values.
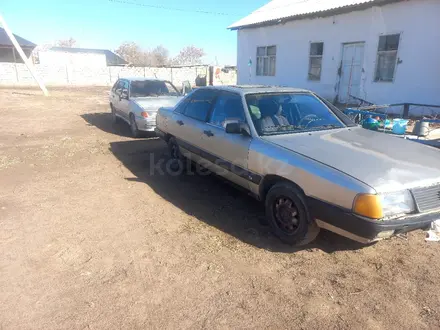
[171, 75]
[16, 73]
[145, 74]
[67, 75]
[405, 110]
[110, 74]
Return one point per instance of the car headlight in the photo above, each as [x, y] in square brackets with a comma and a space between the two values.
[384, 205]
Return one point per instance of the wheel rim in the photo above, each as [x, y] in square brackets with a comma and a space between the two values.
[286, 215]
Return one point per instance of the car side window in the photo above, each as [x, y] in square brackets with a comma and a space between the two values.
[125, 84]
[181, 106]
[228, 106]
[200, 104]
[115, 86]
[122, 84]
[118, 88]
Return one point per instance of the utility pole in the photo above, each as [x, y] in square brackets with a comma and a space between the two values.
[23, 56]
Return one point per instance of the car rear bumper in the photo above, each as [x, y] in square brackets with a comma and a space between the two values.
[160, 133]
[362, 229]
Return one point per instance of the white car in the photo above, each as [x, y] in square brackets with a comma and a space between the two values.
[137, 100]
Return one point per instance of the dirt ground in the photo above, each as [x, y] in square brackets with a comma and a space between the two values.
[92, 237]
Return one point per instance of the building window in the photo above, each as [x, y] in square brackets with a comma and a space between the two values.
[266, 60]
[387, 57]
[315, 61]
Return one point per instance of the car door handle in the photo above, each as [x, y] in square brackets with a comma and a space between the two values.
[180, 122]
[208, 133]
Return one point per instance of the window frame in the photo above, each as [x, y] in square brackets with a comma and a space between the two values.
[115, 86]
[123, 81]
[315, 56]
[268, 57]
[194, 94]
[378, 52]
[183, 103]
[120, 82]
[220, 94]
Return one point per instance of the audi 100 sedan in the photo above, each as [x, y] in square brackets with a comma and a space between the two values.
[308, 162]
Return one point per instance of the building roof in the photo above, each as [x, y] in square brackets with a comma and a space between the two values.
[5, 41]
[112, 58]
[277, 11]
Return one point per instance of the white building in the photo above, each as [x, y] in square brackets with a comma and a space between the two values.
[384, 51]
[79, 57]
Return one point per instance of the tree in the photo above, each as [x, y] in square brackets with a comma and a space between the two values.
[66, 43]
[135, 55]
[130, 52]
[189, 55]
[160, 55]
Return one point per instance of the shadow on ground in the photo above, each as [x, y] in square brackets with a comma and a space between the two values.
[209, 198]
[103, 121]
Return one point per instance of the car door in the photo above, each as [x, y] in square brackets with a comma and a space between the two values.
[115, 93]
[189, 121]
[228, 153]
[124, 103]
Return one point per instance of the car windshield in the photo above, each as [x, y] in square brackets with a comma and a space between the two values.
[143, 88]
[283, 113]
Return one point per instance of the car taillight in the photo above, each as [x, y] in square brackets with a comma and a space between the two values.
[145, 114]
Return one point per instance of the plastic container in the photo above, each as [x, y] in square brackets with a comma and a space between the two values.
[399, 126]
[371, 124]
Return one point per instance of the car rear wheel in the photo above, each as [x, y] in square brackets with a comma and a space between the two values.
[133, 127]
[177, 159]
[288, 216]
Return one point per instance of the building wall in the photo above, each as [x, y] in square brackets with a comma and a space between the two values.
[50, 57]
[417, 77]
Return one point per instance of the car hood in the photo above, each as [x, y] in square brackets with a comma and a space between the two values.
[382, 161]
[156, 102]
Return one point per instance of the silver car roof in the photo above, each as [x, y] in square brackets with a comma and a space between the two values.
[142, 79]
[252, 89]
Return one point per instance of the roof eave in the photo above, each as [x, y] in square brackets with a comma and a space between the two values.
[318, 14]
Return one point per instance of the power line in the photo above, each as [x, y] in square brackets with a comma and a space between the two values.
[174, 8]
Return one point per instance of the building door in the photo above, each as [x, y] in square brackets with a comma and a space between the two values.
[351, 71]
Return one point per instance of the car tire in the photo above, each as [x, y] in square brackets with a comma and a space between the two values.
[115, 118]
[135, 133]
[288, 215]
[179, 162]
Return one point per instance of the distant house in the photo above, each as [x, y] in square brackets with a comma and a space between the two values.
[384, 51]
[8, 53]
[80, 57]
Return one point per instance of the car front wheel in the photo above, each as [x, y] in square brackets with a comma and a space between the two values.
[133, 127]
[288, 216]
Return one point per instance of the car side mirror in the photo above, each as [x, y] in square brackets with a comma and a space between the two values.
[124, 94]
[236, 127]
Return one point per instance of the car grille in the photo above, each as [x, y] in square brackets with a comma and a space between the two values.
[427, 198]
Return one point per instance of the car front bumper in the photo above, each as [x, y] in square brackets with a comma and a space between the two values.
[364, 230]
[146, 124]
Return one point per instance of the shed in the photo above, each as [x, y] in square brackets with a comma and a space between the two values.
[80, 57]
[8, 53]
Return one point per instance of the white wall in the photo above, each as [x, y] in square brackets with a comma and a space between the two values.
[12, 74]
[417, 78]
[50, 57]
